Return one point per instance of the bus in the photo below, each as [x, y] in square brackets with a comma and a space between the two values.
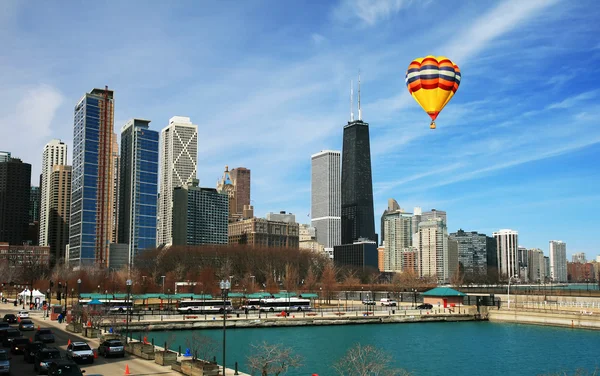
[284, 304]
[113, 305]
[251, 304]
[204, 306]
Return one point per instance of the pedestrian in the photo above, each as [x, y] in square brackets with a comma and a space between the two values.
[60, 318]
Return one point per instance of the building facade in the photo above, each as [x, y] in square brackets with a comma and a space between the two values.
[15, 191]
[558, 261]
[507, 242]
[55, 153]
[33, 235]
[138, 187]
[240, 177]
[261, 232]
[579, 257]
[19, 255]
[362, 254]
[397, 232]
[60, 207]
[432, 248]
[326, 205]
[537, 267]
[472, 253]
[116, 183]
[200, 215]
[5, 156]
[92, 185]
[178, 166]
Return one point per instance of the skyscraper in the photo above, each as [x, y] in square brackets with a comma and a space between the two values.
[432, 249]
[236, 184]
[116, 159]
[578, 257]
[200, 215]
[326, 203]
[523, 263]
[472, 253]
[5, 156]
[537, 267]
[558, 261]
[33, 234]
[433, 214]
[138, 187]
[358, 220]
[15, 190]
[178, 158]
[55, 153]
[92, 193]
[397, 233]
[507, 242]
[60, 206]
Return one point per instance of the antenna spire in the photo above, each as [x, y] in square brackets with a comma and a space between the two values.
[359, 111]
[351, 100]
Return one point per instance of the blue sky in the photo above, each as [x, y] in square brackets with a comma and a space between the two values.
[267, 82]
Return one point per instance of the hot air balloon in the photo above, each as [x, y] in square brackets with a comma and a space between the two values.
[432, 82]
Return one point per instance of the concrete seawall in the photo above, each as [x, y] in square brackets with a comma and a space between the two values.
[537, 317]
[282, 322]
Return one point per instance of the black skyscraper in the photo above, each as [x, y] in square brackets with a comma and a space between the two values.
[358, 220]
[15, 188]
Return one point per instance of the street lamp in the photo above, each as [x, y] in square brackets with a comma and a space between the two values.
[78, 290]
[65, 293]
[49, 294]
[510, 279]
[128, 282]
[414, 291]
[225, 286]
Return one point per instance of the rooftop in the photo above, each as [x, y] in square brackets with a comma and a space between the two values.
[443, 291]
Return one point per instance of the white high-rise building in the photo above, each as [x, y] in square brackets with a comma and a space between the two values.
[326, 196]
[579, 257]
[558, 261]
[507, 243]
[432, 250]
[178, 165]
[537, 267]
[55, 153]
[398, 233]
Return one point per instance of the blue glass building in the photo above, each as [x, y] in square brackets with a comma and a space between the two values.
[138, 191]
[92, 180]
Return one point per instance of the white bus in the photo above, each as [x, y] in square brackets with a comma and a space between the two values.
[251, 304]
[205, 305]
[113, 305]
[284, 304]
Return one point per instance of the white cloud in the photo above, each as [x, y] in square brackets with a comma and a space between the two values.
[318, 39]
[574, 100]
[502, 19]
[369, 12]
[26, 125]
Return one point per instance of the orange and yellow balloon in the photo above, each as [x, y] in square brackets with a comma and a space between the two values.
[432, 82]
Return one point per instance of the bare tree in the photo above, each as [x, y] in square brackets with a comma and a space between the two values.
[367, 361]
[201, 347]
[272, 359]
[291, 278]
[329, 281]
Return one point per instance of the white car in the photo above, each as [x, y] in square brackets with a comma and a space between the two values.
[80, 352]
[23, 315]
[388, 302]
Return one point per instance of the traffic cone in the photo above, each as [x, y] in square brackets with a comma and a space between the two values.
[127, 370]
[38, 327]
[69, 342]
[95, 354]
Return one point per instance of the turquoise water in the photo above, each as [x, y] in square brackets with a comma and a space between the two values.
[469, 348]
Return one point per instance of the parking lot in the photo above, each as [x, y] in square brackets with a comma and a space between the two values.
[101, 366]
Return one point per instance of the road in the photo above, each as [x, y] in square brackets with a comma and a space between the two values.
[101, 366]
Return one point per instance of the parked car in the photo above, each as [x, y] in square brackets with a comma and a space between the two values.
[31, 349]
[80, 352]
[368, 302]
[4, 325]
[64, 367]
[8, 335]
[44, 357]
[23, 315]
[26, 325]
[10, 318]
[44, 335]
[4, 363]
[111, 347]
[424, 306]
[388, 302]
[19, 345]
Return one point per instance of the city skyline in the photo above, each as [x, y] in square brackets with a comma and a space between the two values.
[517, 163]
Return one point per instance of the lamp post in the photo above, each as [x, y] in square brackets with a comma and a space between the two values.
[23, 300]
[128, 282]
[72, 295]
[414, 291]
[253, 278]
[65, 293]
[225, 286]
[78, 290]
[508, 297]
[163, 282]
[49, 294]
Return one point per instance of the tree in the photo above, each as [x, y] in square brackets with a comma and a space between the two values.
[457, 278]
[310, 282]
[329, 281]
[272, 359]
[201, 347]
[367, 361]
[291, 278]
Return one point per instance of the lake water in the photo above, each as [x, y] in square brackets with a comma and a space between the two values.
[468, 348]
